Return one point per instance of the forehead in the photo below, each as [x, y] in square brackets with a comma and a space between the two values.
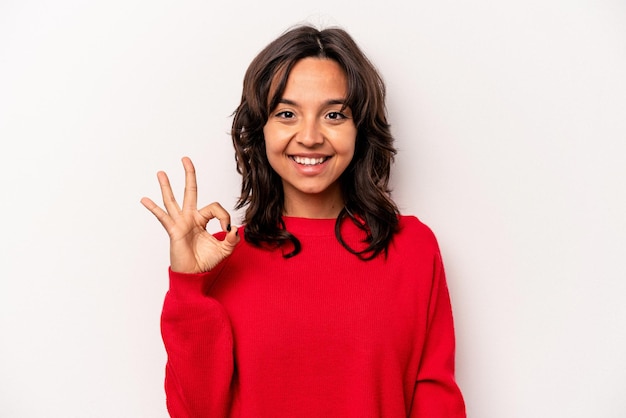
[316, 75]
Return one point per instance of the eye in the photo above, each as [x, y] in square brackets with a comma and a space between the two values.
[285, 114]
[336, 116]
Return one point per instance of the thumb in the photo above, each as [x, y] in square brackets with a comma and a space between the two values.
[232, 238]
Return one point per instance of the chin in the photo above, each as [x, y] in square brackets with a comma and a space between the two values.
[315, 189]
[312, 192]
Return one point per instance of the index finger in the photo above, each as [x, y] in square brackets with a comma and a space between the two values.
[217, 211]
[190, 197]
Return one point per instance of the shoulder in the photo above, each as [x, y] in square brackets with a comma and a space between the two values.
[416, 234]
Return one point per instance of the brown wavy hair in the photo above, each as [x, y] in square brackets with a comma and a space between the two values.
[364, 183]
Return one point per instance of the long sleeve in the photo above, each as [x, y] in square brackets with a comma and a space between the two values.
[321, 334]
[199, 345]
[436, 392]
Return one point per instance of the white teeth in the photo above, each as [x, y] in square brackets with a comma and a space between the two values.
[308, 161]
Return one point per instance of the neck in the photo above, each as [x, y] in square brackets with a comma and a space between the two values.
[315, 206]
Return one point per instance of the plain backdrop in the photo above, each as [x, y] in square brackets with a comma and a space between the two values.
[510, 120]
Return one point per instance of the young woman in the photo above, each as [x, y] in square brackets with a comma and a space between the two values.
[327, 302]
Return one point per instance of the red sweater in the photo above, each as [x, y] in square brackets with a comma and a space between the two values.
[322, 334]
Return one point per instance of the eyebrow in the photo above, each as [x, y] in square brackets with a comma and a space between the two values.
[327, 102]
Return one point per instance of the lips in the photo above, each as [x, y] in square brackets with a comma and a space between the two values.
[308, 161]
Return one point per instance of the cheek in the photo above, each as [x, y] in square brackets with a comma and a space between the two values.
[352, 147]
[273, 150]
[272, 140]
[348, 146]
[267, 140]
[350, 151]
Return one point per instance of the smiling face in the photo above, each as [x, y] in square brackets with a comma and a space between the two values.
[310, 138]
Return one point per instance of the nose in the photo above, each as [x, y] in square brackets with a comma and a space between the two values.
[310, 134]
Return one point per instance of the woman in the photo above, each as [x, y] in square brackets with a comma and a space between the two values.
[333, 304]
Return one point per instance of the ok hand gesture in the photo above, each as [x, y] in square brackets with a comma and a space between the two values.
[192, 248]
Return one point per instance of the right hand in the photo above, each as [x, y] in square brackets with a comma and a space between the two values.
[192, 248]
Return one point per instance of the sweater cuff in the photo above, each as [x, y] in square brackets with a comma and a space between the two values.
[186, 284]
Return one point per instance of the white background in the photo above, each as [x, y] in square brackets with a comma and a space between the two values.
[510, 119]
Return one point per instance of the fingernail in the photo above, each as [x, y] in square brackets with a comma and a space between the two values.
[228, 227]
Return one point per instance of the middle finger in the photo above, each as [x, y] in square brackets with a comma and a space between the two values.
[190, 198]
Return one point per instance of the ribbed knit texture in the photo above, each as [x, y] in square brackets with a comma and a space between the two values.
[322, 334]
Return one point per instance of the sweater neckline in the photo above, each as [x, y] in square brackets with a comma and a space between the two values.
[318, 226]
[310, 226]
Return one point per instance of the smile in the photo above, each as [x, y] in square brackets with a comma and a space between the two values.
[308, 161]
